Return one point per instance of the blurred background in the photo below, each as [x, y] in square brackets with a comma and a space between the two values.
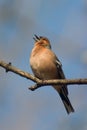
[64, 22]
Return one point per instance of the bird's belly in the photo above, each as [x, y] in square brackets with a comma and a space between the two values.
[44, 69]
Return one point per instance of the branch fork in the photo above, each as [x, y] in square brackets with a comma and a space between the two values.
[39, 83]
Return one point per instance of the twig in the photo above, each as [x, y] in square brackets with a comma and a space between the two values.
[39, 83]
[10, 67]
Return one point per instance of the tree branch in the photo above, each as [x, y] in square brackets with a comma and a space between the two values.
[8, 67]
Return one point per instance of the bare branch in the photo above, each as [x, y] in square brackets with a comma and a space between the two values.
[9, 67]
[39, 82]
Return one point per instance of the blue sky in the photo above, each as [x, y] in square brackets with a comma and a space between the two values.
[65, 24]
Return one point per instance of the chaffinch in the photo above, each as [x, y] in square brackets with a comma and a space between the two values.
[46, 66]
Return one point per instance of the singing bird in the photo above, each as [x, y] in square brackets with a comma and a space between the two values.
[46, 66]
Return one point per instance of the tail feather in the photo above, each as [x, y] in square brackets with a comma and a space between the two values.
[66, 102]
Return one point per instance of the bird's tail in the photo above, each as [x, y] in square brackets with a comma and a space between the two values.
[63, 92]
[66, 102]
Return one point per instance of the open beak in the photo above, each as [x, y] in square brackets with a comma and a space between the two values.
[36, 38]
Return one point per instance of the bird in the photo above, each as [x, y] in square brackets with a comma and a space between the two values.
[46, 66]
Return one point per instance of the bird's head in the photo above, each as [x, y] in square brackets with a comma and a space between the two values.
[42, 41]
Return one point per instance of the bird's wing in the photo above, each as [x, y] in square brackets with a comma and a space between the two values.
[61, 75]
